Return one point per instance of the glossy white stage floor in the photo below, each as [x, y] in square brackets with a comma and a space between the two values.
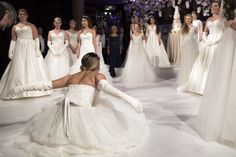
[171, 117]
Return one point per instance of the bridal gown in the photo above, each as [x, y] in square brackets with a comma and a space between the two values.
[188, 52]
[198, 76]
[87, 47]
[73, 40]
[156, 53]
[137, 67]
[217, 114]
[59, 64]
[84, 121]
[26, 75]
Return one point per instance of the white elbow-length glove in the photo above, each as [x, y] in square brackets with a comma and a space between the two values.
[103, 85]
[66, 44]
[11, 49]
[50, 46]
[37, 47]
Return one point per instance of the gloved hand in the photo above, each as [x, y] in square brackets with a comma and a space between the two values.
[37, 47]
[11, 49]
[50, 45]
[66, 44]
[103, 85]
[204, 37]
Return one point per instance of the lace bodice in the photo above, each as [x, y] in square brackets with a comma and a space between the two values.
[57, 38]
[80, 94]
[73, 38]
[215, 30]
[86, 38]
[137, 39]
[24, 32]
[151, 30]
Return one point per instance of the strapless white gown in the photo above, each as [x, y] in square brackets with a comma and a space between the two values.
[198, 76]
[156, 53]
[82, 122]
[26, 75]
[137, 67]
[87, 47]
[58, 66]
[217, 114]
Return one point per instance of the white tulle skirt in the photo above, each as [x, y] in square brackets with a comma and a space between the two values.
[109, 127]
[217, 114]
[137, 67]
[58, 66]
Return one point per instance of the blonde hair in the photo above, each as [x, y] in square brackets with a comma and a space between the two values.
[90, 62]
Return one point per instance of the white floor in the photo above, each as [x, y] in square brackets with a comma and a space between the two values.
[171, 117]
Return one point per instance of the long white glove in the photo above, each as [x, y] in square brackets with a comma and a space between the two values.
[66, 44]
[109, 89]
[54, 53]
[37, 47]
[11, 49]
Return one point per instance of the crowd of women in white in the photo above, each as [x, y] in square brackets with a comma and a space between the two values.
[205, 69]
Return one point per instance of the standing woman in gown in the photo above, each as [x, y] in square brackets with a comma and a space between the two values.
[73, 40]
[137, 67]
[155, 48]
[26, 74]
[217, 114]
[211, 37]
[198, 24]
[58, 58]
[114, 50]
[188, 49]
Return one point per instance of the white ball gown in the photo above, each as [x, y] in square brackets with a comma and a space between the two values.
[87, 47]
[84, 121]
[217, 114]
[26, 75]
[189, 52]
[198, 76]
[137, 67]
[73, 40]
[156, 53]
[58, 57]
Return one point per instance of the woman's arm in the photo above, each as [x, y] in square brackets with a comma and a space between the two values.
[94, 40]
[62, 82]
[79, 44]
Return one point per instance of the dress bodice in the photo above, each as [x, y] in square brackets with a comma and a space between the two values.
[152, 30]
[57, 38]
[73, 38]
[80, 94]
[86, 38]
[137, 39]
[24, 32]
[215, 30]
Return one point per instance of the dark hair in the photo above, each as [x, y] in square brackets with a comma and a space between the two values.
[185, 28]
[89, 21]
[157, 26]
[229, 7]
[90, 61]
[215, 1]
[23, 10]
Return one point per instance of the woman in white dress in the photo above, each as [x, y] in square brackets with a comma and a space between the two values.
[198, 76]
[73, 40]
[188, 49]
[82, 122]
[137, 68]
[217, 114]
[155, 48]
[87, 43]
[198, 24]
[26, 74]
[58, 57]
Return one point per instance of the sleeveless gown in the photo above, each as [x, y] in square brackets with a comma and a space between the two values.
[58, 66]
[217, 114]
[156, 53]
[82, 122]
[73, 39]
[198, 76]
[26, 75]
